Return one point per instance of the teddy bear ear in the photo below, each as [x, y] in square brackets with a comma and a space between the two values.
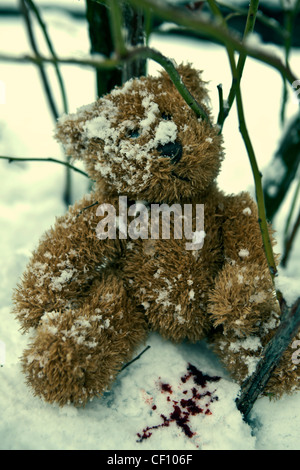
[69, 131]
[66, 131]
[193, 81]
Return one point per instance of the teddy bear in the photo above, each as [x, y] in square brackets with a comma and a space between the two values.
[90, 296]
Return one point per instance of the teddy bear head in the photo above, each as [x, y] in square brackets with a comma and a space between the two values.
[142, 140]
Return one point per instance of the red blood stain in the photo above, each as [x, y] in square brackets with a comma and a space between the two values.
[181, 418]
[188, 407]
[191, 406]
[166, 388]
[199, 378]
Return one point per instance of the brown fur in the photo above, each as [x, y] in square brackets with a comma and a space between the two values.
[91, 302]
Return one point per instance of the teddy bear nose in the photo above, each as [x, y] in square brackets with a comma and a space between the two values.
[173, 150]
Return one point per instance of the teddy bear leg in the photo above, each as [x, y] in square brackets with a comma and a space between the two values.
[76, 354]
[246, 315]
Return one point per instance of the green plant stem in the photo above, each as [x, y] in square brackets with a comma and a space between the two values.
[223, 107]
[170, 68]
[51, 160]
[249, 28]
[256, 175]
[258, 189]
[217, 12]
[252, 12]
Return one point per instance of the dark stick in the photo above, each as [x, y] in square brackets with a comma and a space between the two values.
[290, 241]
[136, 358]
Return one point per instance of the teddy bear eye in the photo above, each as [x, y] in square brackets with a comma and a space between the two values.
[166, 116]
[133, 133]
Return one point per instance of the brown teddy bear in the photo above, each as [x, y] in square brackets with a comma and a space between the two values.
[98, 283]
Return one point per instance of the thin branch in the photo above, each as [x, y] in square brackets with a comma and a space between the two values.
[221, 104]
[43, 26]
[37, 59]
[136, 358]
[24, 5]
[40, 64]
[86, 208]
[51, 160]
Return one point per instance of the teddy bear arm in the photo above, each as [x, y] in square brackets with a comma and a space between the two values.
[243, 289]
[243, 304]
[63, 267]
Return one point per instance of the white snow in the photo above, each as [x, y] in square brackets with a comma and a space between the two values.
[288, 285]
[258, 298]
[151, 111]
[166, 132]
[31, 198]
[65, 276]
[244, 253]
[191, 294]
[247, 211]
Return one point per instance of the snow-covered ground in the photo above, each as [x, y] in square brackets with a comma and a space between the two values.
[31, 198]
